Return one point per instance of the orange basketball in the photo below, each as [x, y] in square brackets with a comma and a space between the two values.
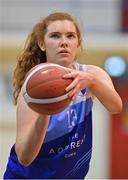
[44, 88]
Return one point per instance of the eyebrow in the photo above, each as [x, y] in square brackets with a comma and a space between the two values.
[70, 32]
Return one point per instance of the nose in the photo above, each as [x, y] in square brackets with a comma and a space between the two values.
[64, 42]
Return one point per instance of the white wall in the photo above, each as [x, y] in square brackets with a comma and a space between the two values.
[99, 168]
[93, 15]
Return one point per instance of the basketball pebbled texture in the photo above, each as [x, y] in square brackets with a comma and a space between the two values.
[44, 88]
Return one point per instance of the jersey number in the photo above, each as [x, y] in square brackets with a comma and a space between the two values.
[72, 118]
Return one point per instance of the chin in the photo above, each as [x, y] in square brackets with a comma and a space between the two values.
[65, 62]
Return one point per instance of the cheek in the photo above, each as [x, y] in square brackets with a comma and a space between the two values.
[49, 43]
[50, 46]
[75, 46]
[75, 50]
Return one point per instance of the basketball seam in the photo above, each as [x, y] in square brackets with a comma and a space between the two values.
[29, 99]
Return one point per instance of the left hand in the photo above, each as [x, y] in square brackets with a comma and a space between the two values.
[81, 80]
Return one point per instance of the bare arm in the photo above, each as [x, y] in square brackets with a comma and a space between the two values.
[31, 130]
[104, 90]
[100, 85]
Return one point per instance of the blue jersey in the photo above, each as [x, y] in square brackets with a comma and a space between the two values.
[67, 147]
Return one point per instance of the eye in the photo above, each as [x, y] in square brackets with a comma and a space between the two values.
[55, 35]
[70, 36]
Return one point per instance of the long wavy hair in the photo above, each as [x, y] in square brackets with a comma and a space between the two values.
[32, 54]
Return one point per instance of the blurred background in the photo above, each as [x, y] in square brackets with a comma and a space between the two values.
[104, 25]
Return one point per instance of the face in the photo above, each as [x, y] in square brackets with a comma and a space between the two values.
[61, 42]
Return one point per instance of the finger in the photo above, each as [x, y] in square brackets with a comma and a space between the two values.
[72, 85]
[70, 75]
[71, 94]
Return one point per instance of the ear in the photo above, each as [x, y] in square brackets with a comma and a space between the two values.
[41, 45]
[79, 43]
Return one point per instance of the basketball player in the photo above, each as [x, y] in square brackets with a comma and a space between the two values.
[57, 146]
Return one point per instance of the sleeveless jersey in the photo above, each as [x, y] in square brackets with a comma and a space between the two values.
[67, 147]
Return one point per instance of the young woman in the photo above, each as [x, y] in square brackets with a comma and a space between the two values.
[57, 146]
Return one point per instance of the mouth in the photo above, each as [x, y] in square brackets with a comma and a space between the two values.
[64, 52]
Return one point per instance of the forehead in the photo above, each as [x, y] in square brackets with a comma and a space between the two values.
[61, 26]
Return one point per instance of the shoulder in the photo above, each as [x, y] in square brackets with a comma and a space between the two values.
[99, 72]
[94, 68]
[91, 69]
